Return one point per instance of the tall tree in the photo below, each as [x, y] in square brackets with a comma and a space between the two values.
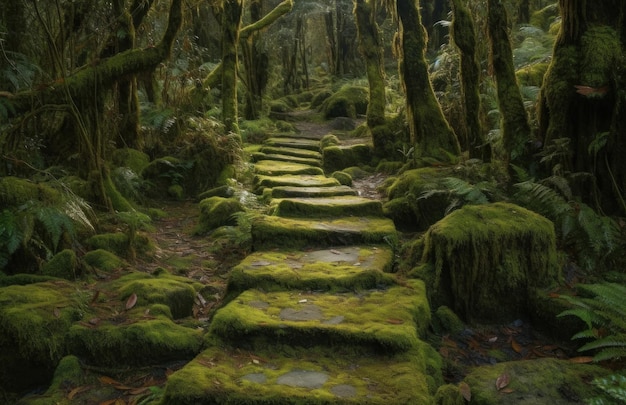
[514, 123]
[582, 98]
[464, 36]
[231, 23]
[429, 130]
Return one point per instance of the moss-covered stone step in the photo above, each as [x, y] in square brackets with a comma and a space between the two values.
[347, 268]
[304, 207]
[299, 143]
[306, 180]
[313, 375]
[279, 168]
[271, 231]
[258, 156]
[300, 135]
[387, 320]
[311, 192]
[303, 153]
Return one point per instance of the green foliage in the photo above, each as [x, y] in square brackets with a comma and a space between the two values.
[613, 388]
[460, 192]
[604, 314]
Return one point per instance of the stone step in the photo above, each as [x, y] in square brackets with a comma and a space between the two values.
[303, 207]
[258, 156]
[272, 231]
[262, 181]
[342, 268]
[303, 153]
[279, 168]
[299, 143]
[311, 192]
[290, 375]
[300, 135]
[385, 320]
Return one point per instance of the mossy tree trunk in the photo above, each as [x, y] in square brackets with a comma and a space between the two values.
[370, 45]
[430, 132]
[255, 62]
[515, 128]
[582, 98]
[231, 24]
[464, 36]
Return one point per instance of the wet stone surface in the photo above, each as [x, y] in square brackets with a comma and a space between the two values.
[303, 379]
[344, 391]
[258, 378]
[259, 304]
[307, 313]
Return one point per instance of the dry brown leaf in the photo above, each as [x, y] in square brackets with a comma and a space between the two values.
[77, 391]
[108, 380]
[516, 346]
[94, 321]
[137, 391]
[507, 390]
[581, 359]
[57, 312]
[502, 381]
[466, 391]
[95, 297]
[132, 300]
[395, 321]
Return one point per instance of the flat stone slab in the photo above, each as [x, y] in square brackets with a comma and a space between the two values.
[301, 135]
[294, 375]
[271, 231]
[262, 181]
[304, 153]
[347, 268]
[289, 191]
[326, 206]
[279, 168]
[299, 143]
[387, 320]
[258, 156]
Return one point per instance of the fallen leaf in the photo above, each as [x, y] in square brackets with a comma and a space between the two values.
[77, 391]
[132, 300]
[108, 380]
[502, 381]
[581, 359]
[466, 391]
[507, 390]
[493, 339]
[95, 297]
[137, 391]
[56, 312]
[516, 346]
[94, 321]
[261, 263]
[335, 251]
[395, 321]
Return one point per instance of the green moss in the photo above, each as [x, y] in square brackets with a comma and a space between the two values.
[216, 212]
[488, 259]
[131, 158]
[348, 101]
[227, 173]
[279, 168]
[445, 321]
[319, 98]
[532, 75]
[402, 213]
[545, 381]
[601, 51]
[390, 167]
[449, 394]
[545, 17]
[337, 158]
[261, 181]
[356, 172]
[176, 192]
[312, 145]
[23, 279]
[343, 178]
[291, 151]
[329, 140]
[64, 264]
[118, 201]
[15, 192]
[329, 207]
[141, 342]
[103, 260]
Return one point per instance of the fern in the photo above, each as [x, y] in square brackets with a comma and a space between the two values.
[605, 309]
[613, 388]
[460, 192]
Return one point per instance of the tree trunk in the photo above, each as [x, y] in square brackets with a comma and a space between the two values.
[231, 23]
[430, 132]
[464, 36]
[514, 124]
[582, 99]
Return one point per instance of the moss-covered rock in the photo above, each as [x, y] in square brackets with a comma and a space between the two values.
[532, 75]
[356, 172]
[489, 259]
[539, 381]
[224, 191]
[15, 192]
[64, 264]
[545, 17]
[329, 140]
[449, 394]
[216, 212]
[132, 158]
[118, 243]
[319, 98]
[261, 182]
[445, 321]
[349, 101]
[103, 260]
[329, 207]
[163, 173]
[337, 158]
[278, 168]
[343, 178]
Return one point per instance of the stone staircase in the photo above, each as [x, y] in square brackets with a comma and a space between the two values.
[314, 315]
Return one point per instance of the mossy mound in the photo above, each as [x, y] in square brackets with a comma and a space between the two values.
[132, 158]
[118, 243]
[532, 75]
[136, 340]
[103, 260]
[261, 181]
[64, 264]
[311, 192]
[278, 168]
[34, 322]
[344, 178]
[406, 205]
[271, 231]
[352, 268]
[164, 172]
[216, 212]
[326, 207]
[539, 381]
[224, 191]
[291, 151]
[337, 158]
[292, 375]
[299, 143]
[349, 101]
[485, 261]
[15, 192]
[258, 156]
[387, 320]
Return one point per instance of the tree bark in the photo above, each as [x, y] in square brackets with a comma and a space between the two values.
[430, 132]
[231, 24]
[514, 124]
[464, 36]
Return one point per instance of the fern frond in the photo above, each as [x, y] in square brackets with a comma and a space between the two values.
[586, 334]
[542, 199]
[583, 314]
[470, 192]
[608, 341]
[611, 353]
[55, 222]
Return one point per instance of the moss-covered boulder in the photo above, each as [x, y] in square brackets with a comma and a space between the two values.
[103, 260]
[15, 191]
[224, 191]
[336, 158]
[326, 207]
[539, 381]
[278, 168]
[64, 264]
[132, 158]
[348, 101]
[486, 261]
[216, 212]
[165, 172]
[342, 177]
[119, 244]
